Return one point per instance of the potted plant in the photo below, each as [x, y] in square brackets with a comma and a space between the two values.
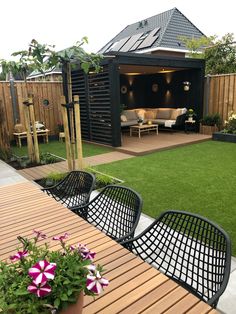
[190, 113]
[228, 134]
[210, 124]
[140, 121]
[37, 280]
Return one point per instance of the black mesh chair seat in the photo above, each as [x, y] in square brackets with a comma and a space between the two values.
[74, 189]
[115, 210]
[188, 248]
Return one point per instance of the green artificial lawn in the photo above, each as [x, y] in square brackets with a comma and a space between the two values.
[59, 149]
[200, 178]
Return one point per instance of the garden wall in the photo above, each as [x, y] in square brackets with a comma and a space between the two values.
[220, 94]
[47, 103]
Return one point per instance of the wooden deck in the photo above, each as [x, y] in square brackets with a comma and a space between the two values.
[39, 172]
[151, 142]
[135, 287]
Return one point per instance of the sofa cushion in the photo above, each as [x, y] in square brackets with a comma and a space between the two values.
[150, 114]
[123, 118]
[164, 113]
[141, 113]
[128, 123]
[175, 113]
[130, 114]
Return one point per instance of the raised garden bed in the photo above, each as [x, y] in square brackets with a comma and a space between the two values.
[224, 137]
[102, 179]
[22, 162]
[208, 129]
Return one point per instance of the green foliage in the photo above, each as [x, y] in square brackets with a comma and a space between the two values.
[211, 119]
[70, 279]
[220, 54]
[230, 124]
[51, 179]
[48, 158]
[190, 112]
[221, 57]
[43, 57]
[5, 154]
[196, 45]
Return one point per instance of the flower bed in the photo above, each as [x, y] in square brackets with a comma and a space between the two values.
[22, 162]
[102, 179]
[224, 137]
[228, 134]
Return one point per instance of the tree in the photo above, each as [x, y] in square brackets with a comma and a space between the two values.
[221, 57]
[43, 57]
[220, 54]
[196, 46]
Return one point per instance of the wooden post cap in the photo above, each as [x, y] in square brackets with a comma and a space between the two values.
[76, 98]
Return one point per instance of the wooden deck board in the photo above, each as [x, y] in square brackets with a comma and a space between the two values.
[135, 286]
[152, 143]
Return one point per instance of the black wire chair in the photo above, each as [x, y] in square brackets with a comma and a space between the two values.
[74, 189]
[115, 210]
[188, 248]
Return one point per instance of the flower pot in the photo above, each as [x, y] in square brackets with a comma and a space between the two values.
[190, 119]
[76, 308]
[140, 123]
[208, 129]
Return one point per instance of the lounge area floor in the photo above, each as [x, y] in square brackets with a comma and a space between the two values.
[150, 142]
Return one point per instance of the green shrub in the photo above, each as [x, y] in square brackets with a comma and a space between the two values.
[48, 158]
[211, 119]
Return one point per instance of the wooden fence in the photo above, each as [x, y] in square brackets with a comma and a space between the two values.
[220, 94]
[47, 103]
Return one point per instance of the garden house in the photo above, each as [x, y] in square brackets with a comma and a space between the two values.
[131, 80]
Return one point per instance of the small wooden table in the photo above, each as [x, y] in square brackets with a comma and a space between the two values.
[19, 136]
[143, 128]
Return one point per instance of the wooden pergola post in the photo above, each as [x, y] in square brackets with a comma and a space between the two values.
[32, 118]
[67, 133]
[28, 131]
[78, 132]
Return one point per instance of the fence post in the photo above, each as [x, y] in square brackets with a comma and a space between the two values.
[78, 132]
[67, 133]
[206, 95]
[4, 134]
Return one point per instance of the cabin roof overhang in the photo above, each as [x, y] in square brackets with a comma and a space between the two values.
[153, 60]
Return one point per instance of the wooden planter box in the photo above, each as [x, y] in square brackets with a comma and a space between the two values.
[208, 129]
[225, 137]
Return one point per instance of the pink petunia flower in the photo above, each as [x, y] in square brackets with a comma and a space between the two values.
[85, 252]
[91, 268]
[42, 271]
[72, 247]
[39, 234]
[40, 290]
[62, 237]
[95, 283]
[19, 255]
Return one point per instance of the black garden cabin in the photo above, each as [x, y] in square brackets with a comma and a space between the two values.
[131, 80]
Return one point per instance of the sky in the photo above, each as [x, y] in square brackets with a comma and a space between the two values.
[63, 23]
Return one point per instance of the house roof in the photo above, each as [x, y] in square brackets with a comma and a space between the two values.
[159, 31]
[36, 74]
